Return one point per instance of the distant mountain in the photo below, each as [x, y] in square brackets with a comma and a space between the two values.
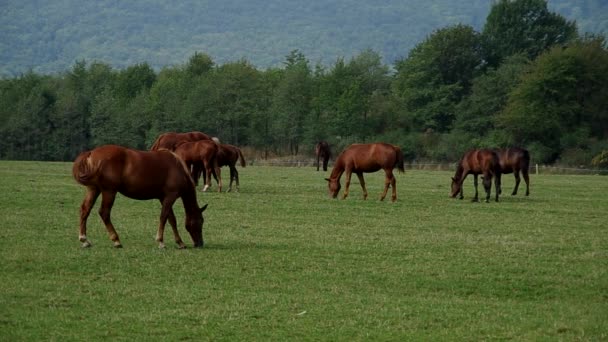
[49, 36]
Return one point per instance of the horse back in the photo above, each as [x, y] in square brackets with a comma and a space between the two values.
[135, 174]
[481, 161]
[513, 159]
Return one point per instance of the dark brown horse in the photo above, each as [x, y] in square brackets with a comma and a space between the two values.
[323, 152]
[140, 175]
[170, 140]
[477, 162]
[515, 160]
[228, 155]
[199, 155]
[360, 158]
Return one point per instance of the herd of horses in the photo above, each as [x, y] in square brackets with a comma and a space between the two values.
[175, 162]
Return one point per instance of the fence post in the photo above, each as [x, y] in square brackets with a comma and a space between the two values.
[537, 169]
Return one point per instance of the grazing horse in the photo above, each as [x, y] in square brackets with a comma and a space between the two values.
[515, 160]
[228, 155]
[322, 151]
[360, 158]
[199, 155]
[170, 140]
[476, 162]
[140, 175]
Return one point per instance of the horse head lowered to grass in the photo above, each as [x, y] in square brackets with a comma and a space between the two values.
[140, 175]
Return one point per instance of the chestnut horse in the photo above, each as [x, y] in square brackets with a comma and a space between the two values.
[199, 155]
[515, 160]
[322, 151]
[360, 158]
[170, 140]
[228, 155]
[476, 162]
[140, 175]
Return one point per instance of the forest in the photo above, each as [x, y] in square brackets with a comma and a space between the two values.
[527, 77]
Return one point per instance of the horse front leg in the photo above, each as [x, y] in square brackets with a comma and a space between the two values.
[173, 223]
[85, 209]
[107, 201]
[347, 185]
[387, 183]
[166, 212]
[362, 182]
[476, 198]
[218, 175]
[394, 186]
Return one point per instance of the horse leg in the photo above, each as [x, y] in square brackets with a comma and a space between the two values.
[107, 201]
[527, 180]
[476, 198]
[362, 182]
[318, 158]
[236, 179]
[207, 177]
[487, 185]
[394, 186]
[85, 209]
[218, 175]
[347, 185]
[517, 180]
[166, 213]
[232, 175]
[498, 185]
[387, 183]
[325, 161]
[173, 223]
[195, 171]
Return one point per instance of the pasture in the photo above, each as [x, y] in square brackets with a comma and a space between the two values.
[283, 261]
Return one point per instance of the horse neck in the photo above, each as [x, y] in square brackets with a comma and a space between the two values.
[459, 171]
[338, 169]
[189, 200]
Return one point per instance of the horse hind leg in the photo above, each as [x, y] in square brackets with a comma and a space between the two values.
[85, 209]
[388, 180]
[107, 201]
[517, 180]
[362, 182]
[527, 180]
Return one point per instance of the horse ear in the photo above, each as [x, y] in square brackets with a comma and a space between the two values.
[327, 179]
[454, 179]
[204, 207]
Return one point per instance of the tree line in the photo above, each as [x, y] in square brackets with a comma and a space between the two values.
[528, 78]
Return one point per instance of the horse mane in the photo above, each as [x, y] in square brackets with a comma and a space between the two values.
[182, 163]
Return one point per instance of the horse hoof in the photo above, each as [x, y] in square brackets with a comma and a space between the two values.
[475, 200]
[161, 245]
[117, 245]
[86, 244]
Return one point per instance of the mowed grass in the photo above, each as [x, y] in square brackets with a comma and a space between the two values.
[282, 261]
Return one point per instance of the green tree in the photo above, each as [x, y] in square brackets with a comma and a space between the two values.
[436, 75]
[523, 26]
[562, 101]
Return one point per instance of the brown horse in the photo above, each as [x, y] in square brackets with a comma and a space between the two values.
[228, 155]
[322, 151]
[140, 175]
[199, 155]
[360, 158]
[476, 162]
[515, 160]
[170, 140]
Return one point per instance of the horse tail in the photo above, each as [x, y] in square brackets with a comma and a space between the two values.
[156, 143]
[399, 162]
[83, 169]
[243, 163]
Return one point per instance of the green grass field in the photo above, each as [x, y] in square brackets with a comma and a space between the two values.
[282, 261]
